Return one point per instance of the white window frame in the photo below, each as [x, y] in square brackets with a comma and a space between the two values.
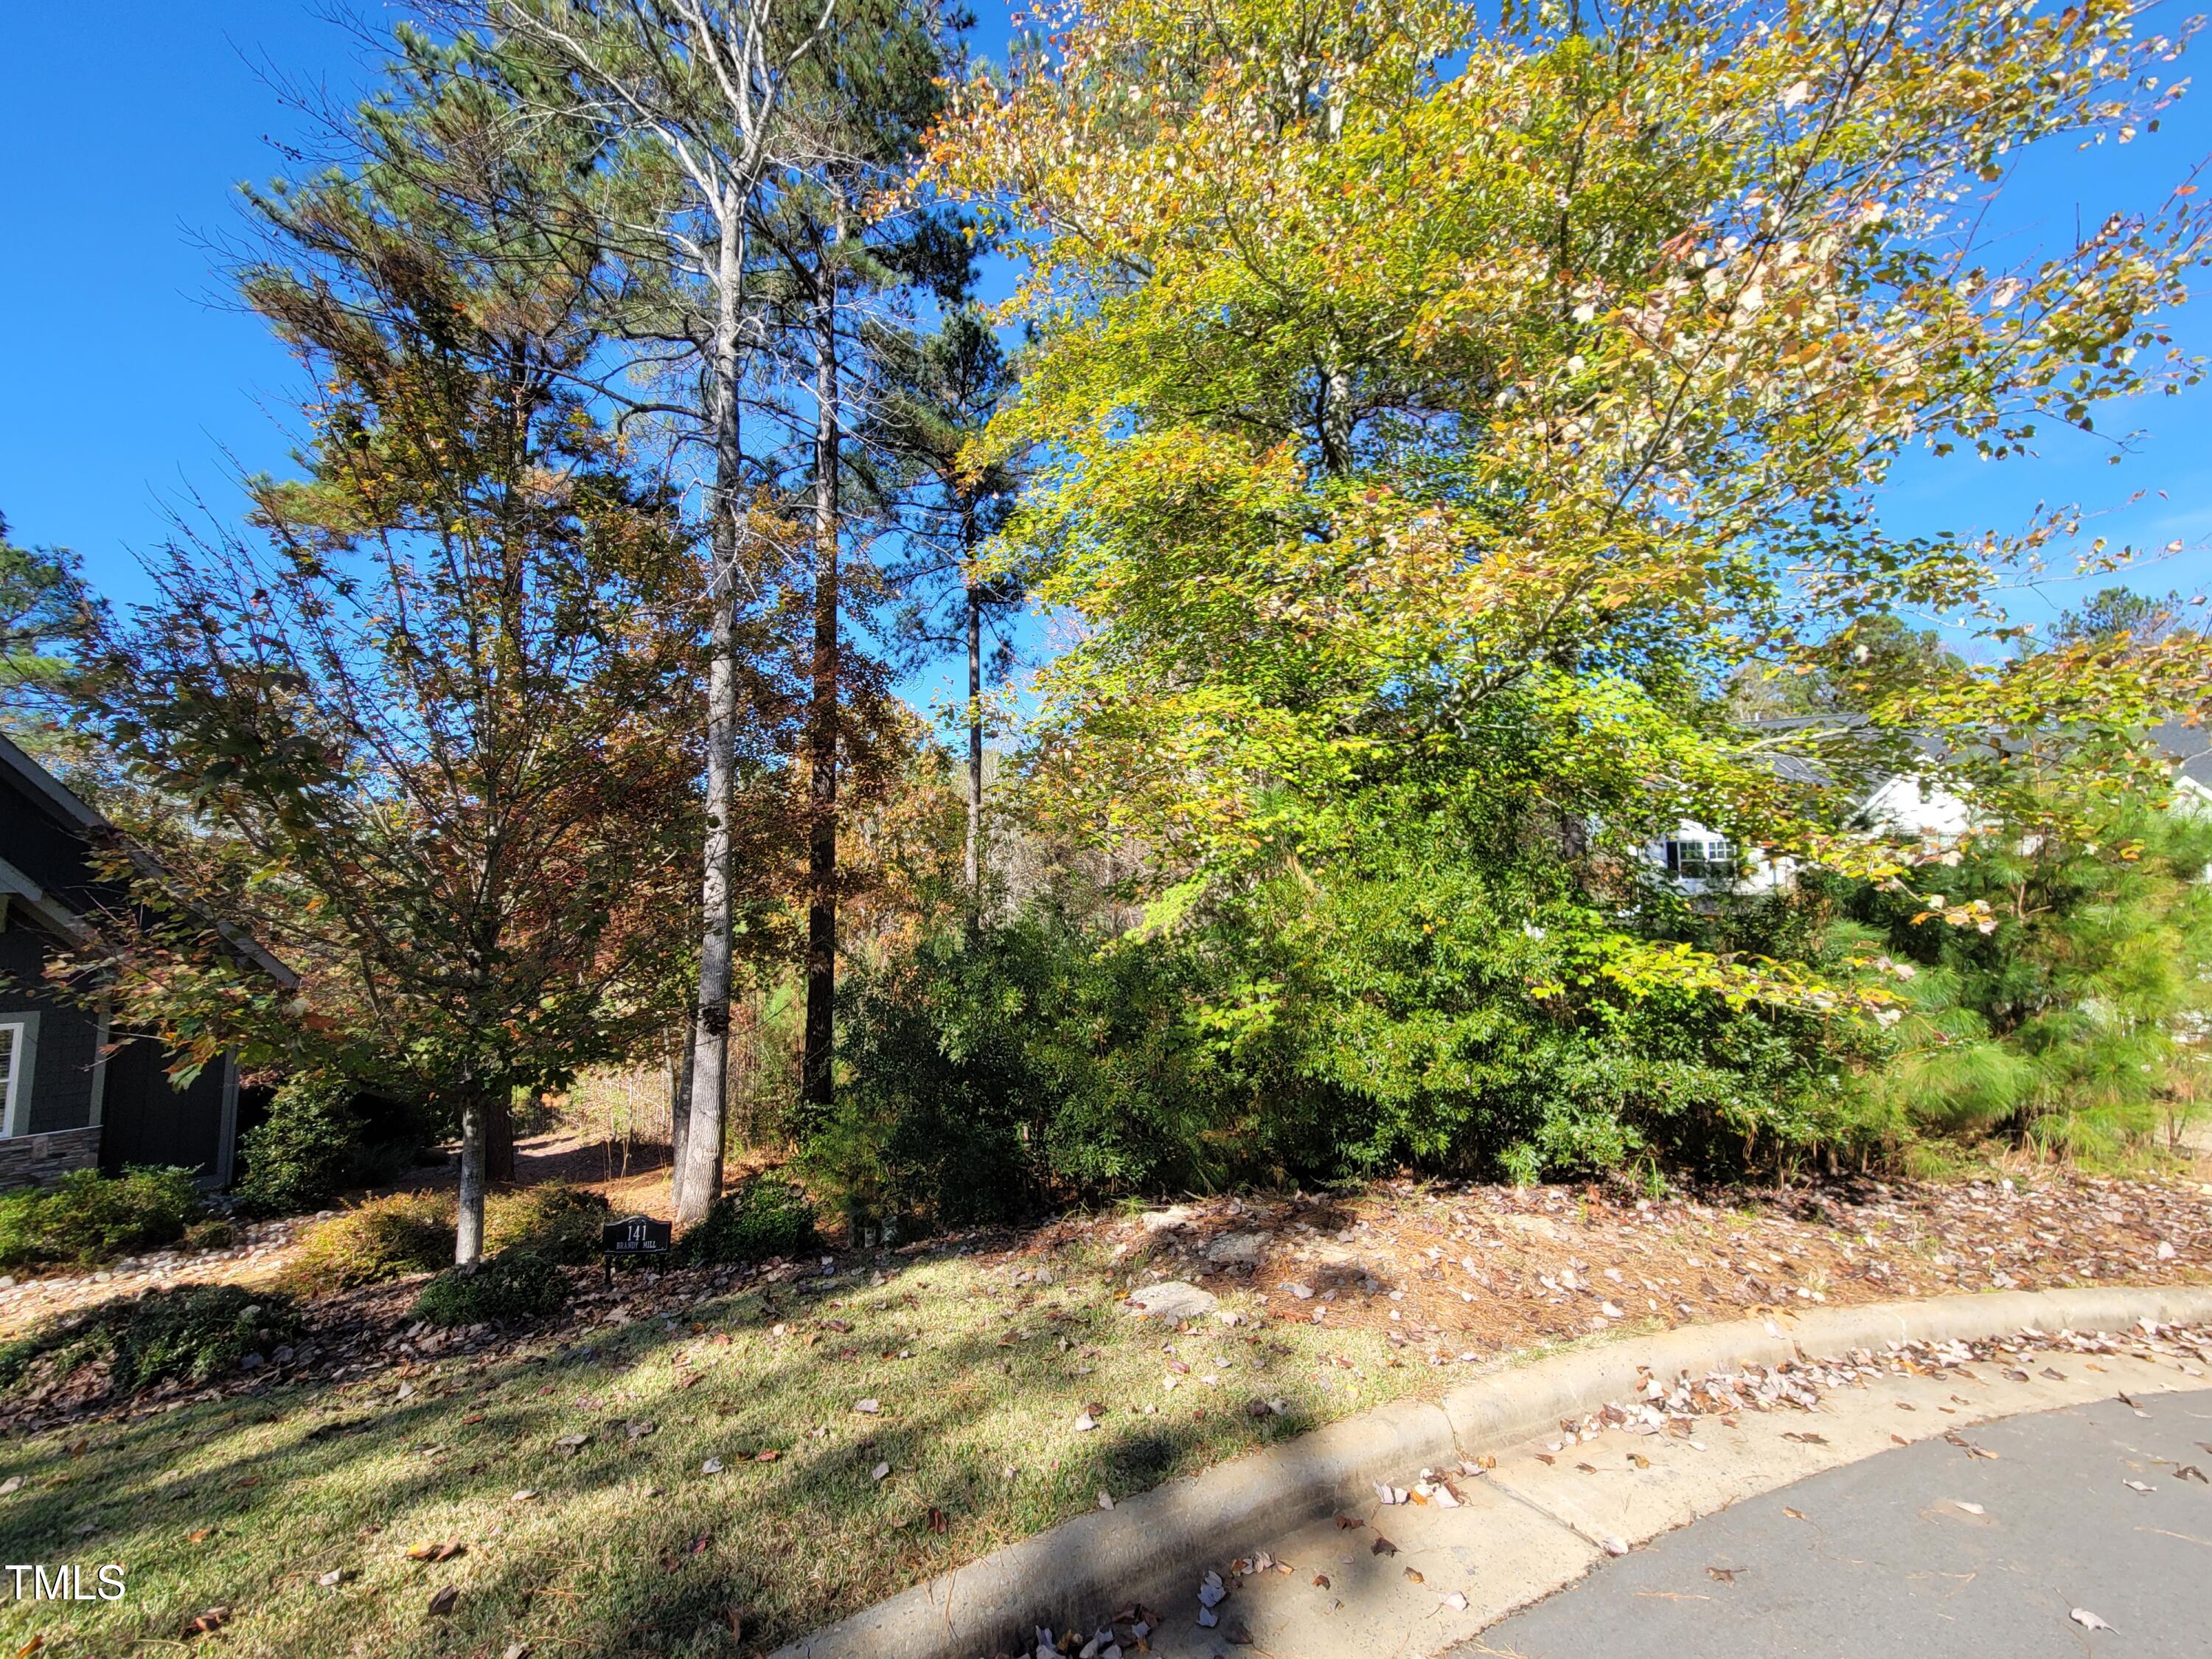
[15, 1108]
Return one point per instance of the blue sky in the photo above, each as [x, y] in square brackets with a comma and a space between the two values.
[132, 388]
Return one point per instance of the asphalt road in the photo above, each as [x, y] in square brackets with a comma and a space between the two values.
[1879, 1558]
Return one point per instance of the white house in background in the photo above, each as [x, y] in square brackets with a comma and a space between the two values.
[1704, 863]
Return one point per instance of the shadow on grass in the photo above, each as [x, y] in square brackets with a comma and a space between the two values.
[627, 1547]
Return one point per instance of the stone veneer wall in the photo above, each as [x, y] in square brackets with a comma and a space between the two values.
[42, 1160]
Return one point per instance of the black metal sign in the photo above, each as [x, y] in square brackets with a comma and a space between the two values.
[635, 1236]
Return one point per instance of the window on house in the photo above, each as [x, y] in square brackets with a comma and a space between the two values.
[19, 1035]
[1700, 859]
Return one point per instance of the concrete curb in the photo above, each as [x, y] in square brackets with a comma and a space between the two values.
[1083, 1568]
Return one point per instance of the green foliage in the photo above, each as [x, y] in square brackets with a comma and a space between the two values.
[1454, 431]
[404, 1233]
[306, 1152]
[765, 1216]
[2071, 1020]
[558, 1224]
[1442, 999]
[511, 1284]
[191, 1333]
[44, 609]
[89, 1218]
[380, 1238]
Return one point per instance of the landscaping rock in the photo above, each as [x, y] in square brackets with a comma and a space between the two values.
[1237, 1250]
[1173, 1299]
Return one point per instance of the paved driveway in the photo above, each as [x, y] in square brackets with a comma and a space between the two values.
[1883, 1557]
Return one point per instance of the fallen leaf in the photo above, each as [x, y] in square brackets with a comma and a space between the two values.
[14, 1483]
[2190, 1472]
[2137, 1486]
[880, 1472]
[712, 1466]
[1320, 1581]
[1971, 1509]
[1454, 1600]
[1808, 1439]
[1414, 1576]
[1344, 1522]
[1795, 1515]
[938, 1522]
[516, 1650]
[867, 1407]
[1235, 1635]
[1616, 1547]
[2088, 1620]
[1382, 1546]
[200, 1536]
[768, 1456]
[525, 1495]
[1084, 1422]
[335, 1577]
[208, 1622]
[1723, 1575]
[444, 1551]
[442, 1602]
[30, 1647]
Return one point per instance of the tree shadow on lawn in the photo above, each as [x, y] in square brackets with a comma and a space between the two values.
[627, 1546]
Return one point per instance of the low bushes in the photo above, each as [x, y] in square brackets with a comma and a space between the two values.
[560, 1223]
[192, 1332]
[383, 1239]
[407, 1233]
[764, 1216]
[515, 1284]
[89, 1218]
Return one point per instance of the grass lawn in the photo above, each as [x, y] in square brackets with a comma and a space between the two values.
[624, 1544]
[981, 1356]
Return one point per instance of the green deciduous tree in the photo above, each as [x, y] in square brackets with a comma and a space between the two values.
[1407, 377]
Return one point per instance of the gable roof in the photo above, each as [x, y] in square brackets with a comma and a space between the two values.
[60, 904]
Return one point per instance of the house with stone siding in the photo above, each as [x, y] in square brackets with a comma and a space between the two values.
[76, 1091]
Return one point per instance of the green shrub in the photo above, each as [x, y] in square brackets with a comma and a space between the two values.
[381, 1238]
[561, 1223]
[192, 1332]
[764, 1216]
[215, 1233]
[305, 1153]
[404, 1233]
[515, 1284]
[90, 1218]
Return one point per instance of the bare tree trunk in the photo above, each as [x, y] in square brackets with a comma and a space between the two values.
[697, 1180]
[679, 1094]
[975, 757]
[468, 1236]
[815, 1071]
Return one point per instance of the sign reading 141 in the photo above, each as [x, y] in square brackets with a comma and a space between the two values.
[635, 1236]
